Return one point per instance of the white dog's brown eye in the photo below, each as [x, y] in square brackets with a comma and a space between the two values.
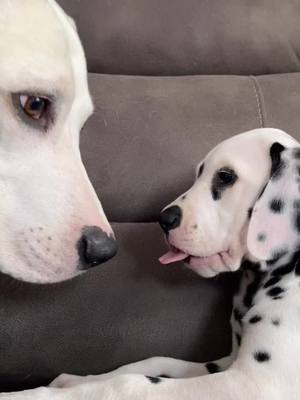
[34, 106]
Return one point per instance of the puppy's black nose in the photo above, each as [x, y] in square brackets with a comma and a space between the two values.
[95, 247]
[170, 218]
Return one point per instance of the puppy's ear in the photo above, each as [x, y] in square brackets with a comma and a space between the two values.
[274, 226]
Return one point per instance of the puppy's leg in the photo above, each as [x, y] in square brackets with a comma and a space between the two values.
[153, 367]
[229, 385]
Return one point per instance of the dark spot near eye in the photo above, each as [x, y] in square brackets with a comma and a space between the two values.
[272, 281]
[255, 319]
[222, 179]
[238, 338]
[200, 172]
[275, 291]
[153, 379]
[195, 226]
[277, 255]
[165, 376]
[276, 321]
[276, 205]
[212, 368]
[183, 197]
[49, 238]
[277, 164]
[277, 297]
[261, 237]
[262, 356]
[250, 210]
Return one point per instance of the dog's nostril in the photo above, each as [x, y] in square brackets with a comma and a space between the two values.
[95, 247]
[170, 218]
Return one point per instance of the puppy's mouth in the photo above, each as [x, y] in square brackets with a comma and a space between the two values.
[221, 258]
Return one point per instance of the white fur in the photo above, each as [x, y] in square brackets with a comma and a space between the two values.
[46, 196]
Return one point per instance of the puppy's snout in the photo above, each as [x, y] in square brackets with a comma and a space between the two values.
[95, 247]
[170, 218]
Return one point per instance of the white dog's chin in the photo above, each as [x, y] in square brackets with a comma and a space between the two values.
[205, 266]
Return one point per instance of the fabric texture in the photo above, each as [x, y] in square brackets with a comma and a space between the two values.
[175, 37]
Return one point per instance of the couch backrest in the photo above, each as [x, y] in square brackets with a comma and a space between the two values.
[184, 37]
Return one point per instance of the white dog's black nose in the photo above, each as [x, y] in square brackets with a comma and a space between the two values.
[170, 218]
[95, 247]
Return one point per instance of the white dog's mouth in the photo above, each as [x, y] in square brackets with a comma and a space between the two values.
[222, 258]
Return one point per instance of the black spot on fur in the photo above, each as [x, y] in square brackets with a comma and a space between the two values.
[277, 297]
[276, 321]
[297, 267]
[212, 368]
[200, 171]
[275, 291]
[297, 215]
[183, 197]
[277, 164]
[283, 270]
[222, 179]
[238, 338]
[261, 237]
[250, 211]
[272, 281]
[262, 356]
[255, 319]
[153, 379]
[277, 255]
[252, 289]
[276, 205]
[165, 376]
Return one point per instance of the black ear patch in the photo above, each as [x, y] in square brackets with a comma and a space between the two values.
[277, 164]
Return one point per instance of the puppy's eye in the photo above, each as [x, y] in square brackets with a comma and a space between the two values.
[227, 176]
[35, 107]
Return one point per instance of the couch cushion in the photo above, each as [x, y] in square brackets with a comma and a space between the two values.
[147, 134]
[175, 37]
[126, 310]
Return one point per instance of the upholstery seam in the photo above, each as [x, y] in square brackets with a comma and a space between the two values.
[259, 101]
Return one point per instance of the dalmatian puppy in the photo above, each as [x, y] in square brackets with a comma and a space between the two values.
[52, 224]
[243, 212]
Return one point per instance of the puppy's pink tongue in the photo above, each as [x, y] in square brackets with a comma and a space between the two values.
[173, 256]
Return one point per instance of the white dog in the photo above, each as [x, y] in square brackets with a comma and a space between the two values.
[233, 217]
[52, 224]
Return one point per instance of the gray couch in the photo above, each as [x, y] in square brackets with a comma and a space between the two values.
[170, 79]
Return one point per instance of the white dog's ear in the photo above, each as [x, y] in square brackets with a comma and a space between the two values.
[274, 227]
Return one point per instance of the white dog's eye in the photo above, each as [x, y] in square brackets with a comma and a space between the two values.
[227, 176]
[35, 107]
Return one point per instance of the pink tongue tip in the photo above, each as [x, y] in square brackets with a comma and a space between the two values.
[172, 256]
